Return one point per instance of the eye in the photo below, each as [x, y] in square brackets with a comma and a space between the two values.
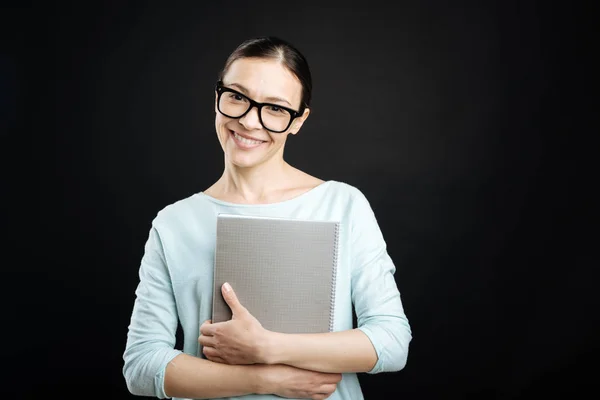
[275, 109]
[235, 97]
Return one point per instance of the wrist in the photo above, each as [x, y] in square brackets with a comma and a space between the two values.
[269, 352]
[275, 348]
[260, 380]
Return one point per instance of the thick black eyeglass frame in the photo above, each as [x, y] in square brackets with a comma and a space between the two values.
[222, 89]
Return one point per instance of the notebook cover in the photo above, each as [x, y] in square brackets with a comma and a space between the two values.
[282, 270]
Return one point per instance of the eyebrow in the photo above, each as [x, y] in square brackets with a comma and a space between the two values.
[271, 98]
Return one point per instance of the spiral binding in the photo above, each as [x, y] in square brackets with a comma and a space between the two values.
[334, 277]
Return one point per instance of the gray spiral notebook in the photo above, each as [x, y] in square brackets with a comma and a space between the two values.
[282, 270]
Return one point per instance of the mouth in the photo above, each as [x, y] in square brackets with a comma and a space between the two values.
[244, 141]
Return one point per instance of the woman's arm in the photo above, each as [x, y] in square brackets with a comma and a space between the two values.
[231, 342]
[197, 378]
[381, 341]
[154, 368]
[192, 377]
[345, 351]
[377, 300]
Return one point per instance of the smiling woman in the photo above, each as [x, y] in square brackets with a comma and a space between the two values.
[261, 96]
[243, 123]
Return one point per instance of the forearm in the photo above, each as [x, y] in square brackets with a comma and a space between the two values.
[192, 377]
[341, 352]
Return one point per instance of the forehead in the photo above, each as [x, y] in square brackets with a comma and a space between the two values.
[265, 78]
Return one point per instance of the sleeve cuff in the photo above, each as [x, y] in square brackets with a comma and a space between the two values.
[159, 378]
[379, 364]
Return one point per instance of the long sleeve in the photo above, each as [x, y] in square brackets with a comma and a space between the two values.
[151, 334]
[379, 310]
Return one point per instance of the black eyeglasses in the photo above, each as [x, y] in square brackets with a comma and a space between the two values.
[273, 117]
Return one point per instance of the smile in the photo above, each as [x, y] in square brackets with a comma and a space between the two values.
[245, 142]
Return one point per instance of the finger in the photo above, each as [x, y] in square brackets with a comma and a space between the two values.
[207, 341]
[325, 393]
[213, 355]
[231, 299]
[210, 351]
[205, 323]
[328, 388]
[207, 328]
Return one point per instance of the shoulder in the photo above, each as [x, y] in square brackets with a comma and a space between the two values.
[347, 197]
[353, 194]
[358, 213]
[181, 212]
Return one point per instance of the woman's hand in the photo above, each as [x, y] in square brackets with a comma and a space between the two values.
[290, 382]
[241, 340]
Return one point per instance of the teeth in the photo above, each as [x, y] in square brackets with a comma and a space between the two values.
[244, 140]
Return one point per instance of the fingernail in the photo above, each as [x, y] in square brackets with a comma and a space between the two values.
[226, 287]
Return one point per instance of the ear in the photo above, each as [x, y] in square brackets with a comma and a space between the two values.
[298, 122]
[216, 99]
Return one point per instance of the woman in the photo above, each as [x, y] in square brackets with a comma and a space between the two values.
[262, 96]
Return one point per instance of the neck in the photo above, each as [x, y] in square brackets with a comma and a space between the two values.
[261, 183]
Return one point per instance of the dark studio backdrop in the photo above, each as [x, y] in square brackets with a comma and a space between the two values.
[460, 121]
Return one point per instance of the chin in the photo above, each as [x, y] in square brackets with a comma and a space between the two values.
[244, 160]
[244, 164]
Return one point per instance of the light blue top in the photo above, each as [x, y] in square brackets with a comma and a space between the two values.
[176, 277]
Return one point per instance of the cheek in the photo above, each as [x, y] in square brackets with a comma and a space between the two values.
[279, 140]
[221, 130]
[220, 122]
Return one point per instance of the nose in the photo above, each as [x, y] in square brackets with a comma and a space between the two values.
[251, 120]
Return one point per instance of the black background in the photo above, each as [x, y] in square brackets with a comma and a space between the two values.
[462, 122]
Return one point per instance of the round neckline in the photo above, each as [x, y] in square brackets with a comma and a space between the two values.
[278, 203]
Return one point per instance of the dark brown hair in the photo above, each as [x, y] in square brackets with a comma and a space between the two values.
[277, 49]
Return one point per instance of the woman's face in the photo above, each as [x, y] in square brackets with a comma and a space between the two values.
[245, 142]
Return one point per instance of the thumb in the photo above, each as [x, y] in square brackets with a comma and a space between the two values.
[231, 299]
